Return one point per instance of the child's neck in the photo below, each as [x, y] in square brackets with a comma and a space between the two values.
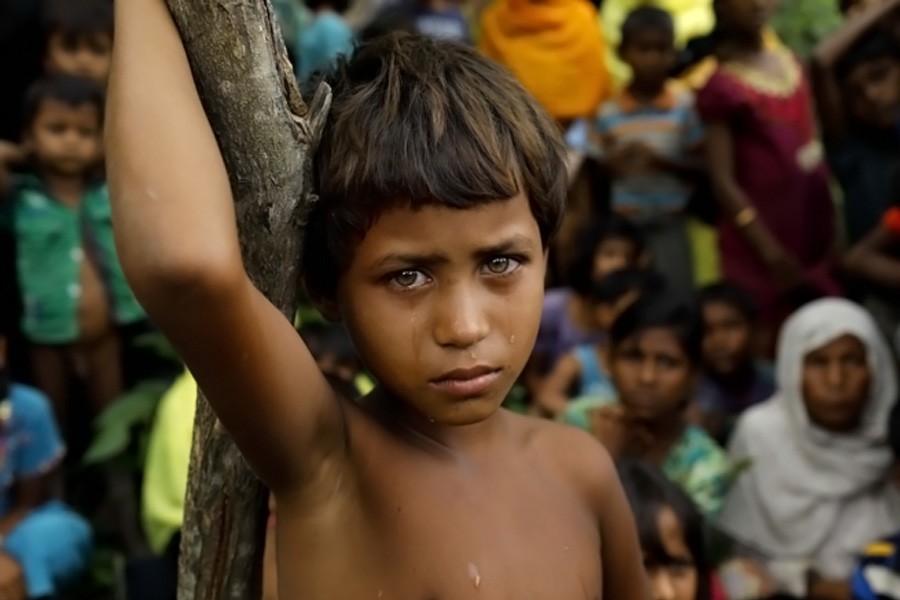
[452, 440]
[742, 44]
[664, 433]
[647, 91]
[67, 189]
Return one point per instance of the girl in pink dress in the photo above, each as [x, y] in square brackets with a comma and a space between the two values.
[777, 226]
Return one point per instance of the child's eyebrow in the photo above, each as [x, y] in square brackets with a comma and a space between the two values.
[514, 243]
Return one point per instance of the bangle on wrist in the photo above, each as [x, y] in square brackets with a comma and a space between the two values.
[745, 216]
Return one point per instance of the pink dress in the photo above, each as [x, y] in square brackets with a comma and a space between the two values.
[778, 164]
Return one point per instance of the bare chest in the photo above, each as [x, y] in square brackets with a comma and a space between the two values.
[516, 535]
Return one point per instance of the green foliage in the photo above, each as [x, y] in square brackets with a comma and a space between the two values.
[126, 423]
[802, 24]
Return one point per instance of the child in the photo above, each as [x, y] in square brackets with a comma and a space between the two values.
[816, 489]
[647, 136]
[567, 319]
[78, 38]
[583, 371]
[671, 532]
[655, 353]
[555, 49]
[40, 538]
[73, 289]
[733, 381]
[776, 233]
[436, 201]
[877, 576]
[856, 72]
[325, 38]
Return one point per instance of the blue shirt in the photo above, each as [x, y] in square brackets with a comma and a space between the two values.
[30, 443]
[321, 43]
[670, 126]
[877, 577]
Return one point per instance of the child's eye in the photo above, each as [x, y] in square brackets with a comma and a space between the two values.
[409, 279]
[501, 265]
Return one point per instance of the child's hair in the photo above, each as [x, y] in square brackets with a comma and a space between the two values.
[70, 90]
[664, 310]
[646, 18]
[618, 284]
[416, 122]
[77, 18]
[875, 45]
[339, 6]
[730, 294]
[579, 274]
[649, 492]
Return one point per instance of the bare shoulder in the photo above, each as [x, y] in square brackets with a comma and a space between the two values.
[575, 454]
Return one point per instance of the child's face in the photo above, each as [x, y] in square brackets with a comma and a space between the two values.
[653, 375]
[746, 16]
[651, 55]
[65, 139]
[679, 579]
[613, 254]
[85, 55]
[728, 338]
[836, 380]
[872, 89]
[443, 305]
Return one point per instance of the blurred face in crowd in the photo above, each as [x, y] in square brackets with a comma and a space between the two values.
[873, 91]
[653, 374]
[836, 380]
[651, 55]
[677, 579]
[613, 254]
[728, 337]
[85, 55]
[65, 140]
[747, 17]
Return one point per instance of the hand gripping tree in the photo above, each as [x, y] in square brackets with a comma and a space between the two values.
[267, 134]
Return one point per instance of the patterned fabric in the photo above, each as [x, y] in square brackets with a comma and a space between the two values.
[701, 468]
[52, 241]
[877, 577]
[670, 126]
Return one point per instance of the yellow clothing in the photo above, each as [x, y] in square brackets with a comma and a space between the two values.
[554, 48]
[166, 468]
[693, 18]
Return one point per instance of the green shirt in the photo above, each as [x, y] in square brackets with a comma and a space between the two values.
[51, 241]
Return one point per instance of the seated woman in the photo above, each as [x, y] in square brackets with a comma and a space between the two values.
[816, 490]
[655, 353]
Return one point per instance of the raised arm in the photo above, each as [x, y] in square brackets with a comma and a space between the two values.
[829, 100]
[871, 260]
[177, 240]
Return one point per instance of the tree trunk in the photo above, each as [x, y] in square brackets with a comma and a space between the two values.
[266, 134]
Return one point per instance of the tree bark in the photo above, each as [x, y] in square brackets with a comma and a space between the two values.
[266, 133]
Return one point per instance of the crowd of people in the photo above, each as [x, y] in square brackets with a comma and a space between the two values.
[721, 310]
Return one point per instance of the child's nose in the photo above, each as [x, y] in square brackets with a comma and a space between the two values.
[461, 320]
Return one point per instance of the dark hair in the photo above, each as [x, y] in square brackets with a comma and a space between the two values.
[579, 274]
[875, 45]
[71, 90]
[646, 18]
[78, 18]
[730, 294]
[616, 285]
[339, 6]
[666, 310]
[894, 430]
[649, 492]
[392, 19]
[416, 122]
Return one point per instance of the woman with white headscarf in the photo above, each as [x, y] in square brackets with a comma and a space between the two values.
[816, 489]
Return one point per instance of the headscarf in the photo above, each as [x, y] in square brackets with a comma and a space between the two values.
[809, 494]
[554, 48]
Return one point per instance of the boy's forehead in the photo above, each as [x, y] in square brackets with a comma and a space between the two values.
[54, 107]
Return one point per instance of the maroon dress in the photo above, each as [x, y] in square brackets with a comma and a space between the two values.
[778, 164]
